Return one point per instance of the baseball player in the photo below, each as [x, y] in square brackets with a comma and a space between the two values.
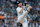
[22, 14]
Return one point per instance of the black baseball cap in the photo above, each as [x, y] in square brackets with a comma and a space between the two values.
[19, 2]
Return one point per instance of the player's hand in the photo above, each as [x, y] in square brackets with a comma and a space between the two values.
[30, 7]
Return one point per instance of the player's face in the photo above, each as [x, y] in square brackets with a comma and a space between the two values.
[20, 4]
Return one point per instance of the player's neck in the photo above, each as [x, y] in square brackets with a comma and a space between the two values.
[20, 6]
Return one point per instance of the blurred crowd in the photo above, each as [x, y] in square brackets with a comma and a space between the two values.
[8, 13]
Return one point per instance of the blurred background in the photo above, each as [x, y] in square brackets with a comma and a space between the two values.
[8, 13]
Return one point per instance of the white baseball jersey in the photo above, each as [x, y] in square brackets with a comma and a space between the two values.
[20, 15]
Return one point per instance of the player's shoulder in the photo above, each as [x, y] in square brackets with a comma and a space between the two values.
[18, 8]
